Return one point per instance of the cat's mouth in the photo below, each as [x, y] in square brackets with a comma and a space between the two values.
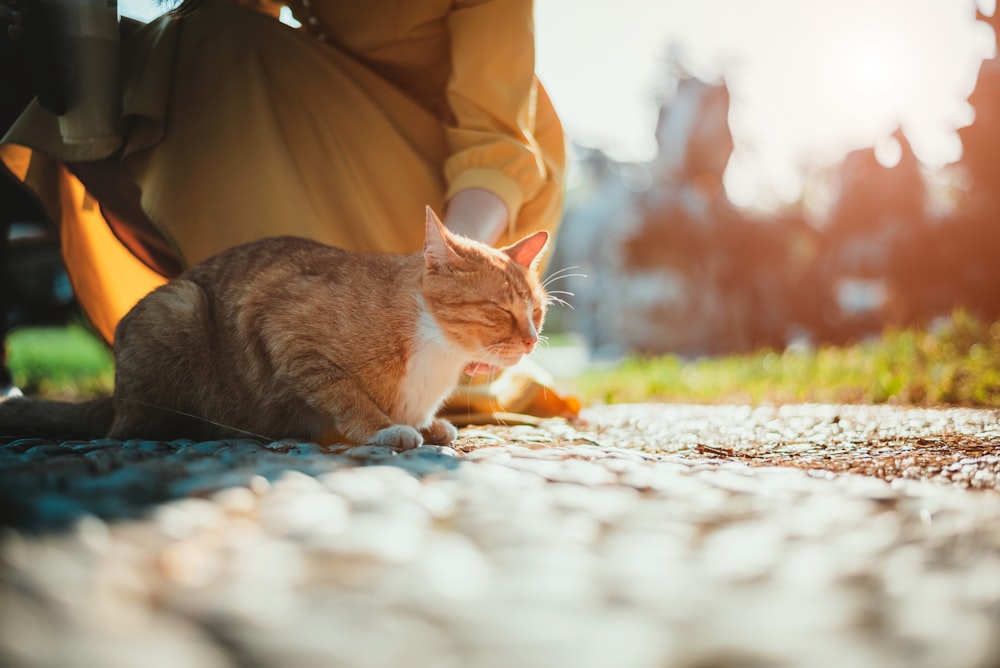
[487, 368]
[481, 369]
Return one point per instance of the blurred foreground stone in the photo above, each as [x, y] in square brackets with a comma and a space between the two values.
[647, 536]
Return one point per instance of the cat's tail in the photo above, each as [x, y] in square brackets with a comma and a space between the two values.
[39, 418]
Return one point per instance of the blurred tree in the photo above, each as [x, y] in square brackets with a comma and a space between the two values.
[953, 262]
[981, 139]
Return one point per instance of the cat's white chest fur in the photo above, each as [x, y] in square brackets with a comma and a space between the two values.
[432, 372]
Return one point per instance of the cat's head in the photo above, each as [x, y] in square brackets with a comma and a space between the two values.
[487, 300]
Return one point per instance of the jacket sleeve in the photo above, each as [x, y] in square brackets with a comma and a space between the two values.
[493, 96]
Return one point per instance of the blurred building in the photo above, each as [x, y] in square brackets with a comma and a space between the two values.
[952, 261]
[673, 266]
[981, 139]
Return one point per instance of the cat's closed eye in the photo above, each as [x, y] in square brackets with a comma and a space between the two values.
[508, 314]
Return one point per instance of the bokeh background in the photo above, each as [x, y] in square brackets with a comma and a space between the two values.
[775, 173]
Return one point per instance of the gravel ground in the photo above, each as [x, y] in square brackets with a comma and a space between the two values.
[645, 535]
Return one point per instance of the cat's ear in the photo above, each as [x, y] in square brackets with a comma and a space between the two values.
[438, 253]
[529, 250]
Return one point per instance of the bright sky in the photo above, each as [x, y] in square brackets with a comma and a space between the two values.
[810, 79]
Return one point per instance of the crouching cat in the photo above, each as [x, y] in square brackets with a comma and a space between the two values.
[289, 338]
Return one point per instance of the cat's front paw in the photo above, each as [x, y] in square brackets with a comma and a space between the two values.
[398, 437]
[440, 432]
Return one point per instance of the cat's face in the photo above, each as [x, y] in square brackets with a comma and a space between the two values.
[496, 314]
[487, 300]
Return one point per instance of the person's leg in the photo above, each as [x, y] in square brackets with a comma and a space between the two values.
[120, 201]
[269, 131]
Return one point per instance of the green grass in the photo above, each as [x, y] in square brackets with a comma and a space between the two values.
[60, 362]
[956, 364]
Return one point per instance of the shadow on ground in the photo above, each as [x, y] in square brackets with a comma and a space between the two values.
[46, 485]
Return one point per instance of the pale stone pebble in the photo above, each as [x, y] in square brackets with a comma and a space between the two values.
[259, 485]
[439, 501]
[235, 500]
[640, 478]
[984, 478]
[731, 480]
[300, 514]
[528, 574]
[356, 486]
[164, 642]
[579, 472]
[607, 504]
[389, 540]
[502, 634]
[356, 630]
[854, 549]
[449, 570]
[527, 434]
[184, 517]
[374, 487]
[535, 552]
[743, 550]
[257, 583]
[488, 476]
[492, 453]
[928, 615]
[295, 481]
[824, 514]
[760, 626]
[654, 571]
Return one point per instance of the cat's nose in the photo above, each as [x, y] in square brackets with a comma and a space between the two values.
[529, 342]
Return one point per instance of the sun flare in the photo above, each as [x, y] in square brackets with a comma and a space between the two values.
[872, 74]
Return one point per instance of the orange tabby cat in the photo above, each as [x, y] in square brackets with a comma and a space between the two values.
[289, 338]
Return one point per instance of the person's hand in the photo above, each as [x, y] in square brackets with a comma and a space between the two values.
[477, 214]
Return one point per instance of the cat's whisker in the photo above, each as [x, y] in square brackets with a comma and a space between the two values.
[558, 300]
[551, 297]
[552, 279]
[561, 274]
[196, 417]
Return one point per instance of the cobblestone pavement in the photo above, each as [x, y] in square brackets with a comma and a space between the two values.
[646, 536]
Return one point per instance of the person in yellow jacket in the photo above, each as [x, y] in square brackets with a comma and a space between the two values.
[237, 127]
